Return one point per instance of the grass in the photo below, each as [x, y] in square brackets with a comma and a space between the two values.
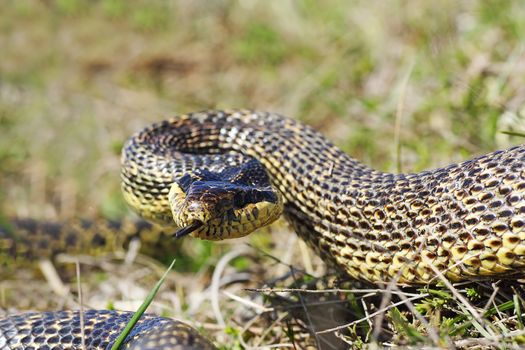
[77, 77]
[143, 307]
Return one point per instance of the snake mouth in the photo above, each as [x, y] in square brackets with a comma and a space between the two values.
[188, 229]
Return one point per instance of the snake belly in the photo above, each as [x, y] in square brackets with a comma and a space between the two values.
[464, 221]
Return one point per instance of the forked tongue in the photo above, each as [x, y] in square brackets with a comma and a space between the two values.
[188, 229]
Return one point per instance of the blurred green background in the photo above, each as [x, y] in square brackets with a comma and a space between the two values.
[400, 85]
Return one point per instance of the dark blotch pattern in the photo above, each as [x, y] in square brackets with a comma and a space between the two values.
[465, 220]
[61, 330]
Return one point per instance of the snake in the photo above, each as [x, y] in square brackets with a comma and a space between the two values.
[223, 174]
[63, 330]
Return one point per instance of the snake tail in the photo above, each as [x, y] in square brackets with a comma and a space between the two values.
[23, 240]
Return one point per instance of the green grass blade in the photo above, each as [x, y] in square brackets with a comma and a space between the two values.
[492, 311]
[514, 133]
[475, 322]
[138, 314]
[517, 307]
[403, 326]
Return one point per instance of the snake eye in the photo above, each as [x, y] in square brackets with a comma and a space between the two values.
[266, 196]
[243, 197]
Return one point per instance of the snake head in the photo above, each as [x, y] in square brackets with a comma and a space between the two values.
[216, 209]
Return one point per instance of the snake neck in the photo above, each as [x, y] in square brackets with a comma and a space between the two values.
[462, 220]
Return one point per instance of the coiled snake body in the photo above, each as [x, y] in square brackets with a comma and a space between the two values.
[463, 221]
[62, 330]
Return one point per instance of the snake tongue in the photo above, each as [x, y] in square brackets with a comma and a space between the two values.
[188, 229]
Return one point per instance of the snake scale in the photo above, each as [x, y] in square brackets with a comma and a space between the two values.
[463, 221]
[63, 330]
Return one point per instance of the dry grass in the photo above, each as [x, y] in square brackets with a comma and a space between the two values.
[400, 85]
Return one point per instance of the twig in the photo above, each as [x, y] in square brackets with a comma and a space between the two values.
[247, 303]
[461, 298]
[317, 291]
[52, 278]
[492, 297]
[432, 332]
[81, 307]
[310, 323]
[216, 282]
[132, 252]
[373, 314]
